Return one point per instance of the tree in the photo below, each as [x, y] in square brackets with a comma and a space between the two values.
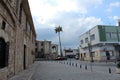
[58, 30]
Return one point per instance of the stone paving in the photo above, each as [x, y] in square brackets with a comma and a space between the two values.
[63, 70]
[26, 74]
[96, 66]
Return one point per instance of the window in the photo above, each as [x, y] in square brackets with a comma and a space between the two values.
[3, 25]
[93, 54]
[42, 44]
[114, 35]
[84, 54]
[81, 41]
[36, 49]
[108, 35]
[42, 50]
[92, 37]
[86, 40]
[28, 27]
[20, 13]
[36, 44]
[111, 35]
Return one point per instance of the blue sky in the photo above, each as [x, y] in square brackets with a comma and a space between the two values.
[75, 17]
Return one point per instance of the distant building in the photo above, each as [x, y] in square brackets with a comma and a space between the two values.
[17, 37]
[45, 49]
[101, 43]
[71, 53]
[54, 50]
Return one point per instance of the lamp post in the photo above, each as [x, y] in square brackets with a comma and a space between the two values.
[117, 31]
[90, 50]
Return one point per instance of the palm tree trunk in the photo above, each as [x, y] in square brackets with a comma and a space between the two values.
[61, 54]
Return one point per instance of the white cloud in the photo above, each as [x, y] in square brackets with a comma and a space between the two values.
[68, 14]
[113, 5]
[45, 10]
[71, 34]
[114, 18]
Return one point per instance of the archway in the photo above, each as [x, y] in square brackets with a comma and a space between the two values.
[54, 48]
[2, 53]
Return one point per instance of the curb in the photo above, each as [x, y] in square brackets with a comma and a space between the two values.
[25, 74]
[33, 72]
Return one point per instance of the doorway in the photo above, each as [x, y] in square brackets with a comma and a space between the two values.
[2, 53]
[119, 54]
[108, 55]
[24, 58]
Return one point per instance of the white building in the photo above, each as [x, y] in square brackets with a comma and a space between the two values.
[71, 53]
[100, 43]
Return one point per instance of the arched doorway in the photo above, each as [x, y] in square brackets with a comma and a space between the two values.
[54, 48]
[2, 53]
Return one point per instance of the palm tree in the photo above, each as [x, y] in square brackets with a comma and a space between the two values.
[58, 30]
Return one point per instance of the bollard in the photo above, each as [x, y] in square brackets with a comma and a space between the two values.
[80, 66]
[76, 64]
[72, 64]
[110, 70]
[85, 67]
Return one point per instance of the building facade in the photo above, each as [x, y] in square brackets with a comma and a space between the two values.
[71, 53]
[100, 43]
[45, 49]
[17, 37]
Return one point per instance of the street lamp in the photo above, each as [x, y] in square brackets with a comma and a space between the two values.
[117, 31]
[90, 50]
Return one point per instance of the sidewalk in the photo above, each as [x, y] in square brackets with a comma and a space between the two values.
[26, 74]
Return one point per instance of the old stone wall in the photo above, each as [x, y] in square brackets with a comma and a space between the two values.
[16, 36]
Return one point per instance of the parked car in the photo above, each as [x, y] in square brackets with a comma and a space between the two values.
[76, 57]
[61, 58]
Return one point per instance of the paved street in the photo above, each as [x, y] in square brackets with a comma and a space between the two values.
[64, 70]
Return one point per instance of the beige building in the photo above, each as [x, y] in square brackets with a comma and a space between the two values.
[45, 49]
[17, 37]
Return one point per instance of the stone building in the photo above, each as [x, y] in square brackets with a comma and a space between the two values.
[17, 37]
[45, 49]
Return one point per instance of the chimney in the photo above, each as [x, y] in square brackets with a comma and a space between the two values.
[119, 22]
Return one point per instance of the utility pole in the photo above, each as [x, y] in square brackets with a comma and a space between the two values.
[90, 51]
